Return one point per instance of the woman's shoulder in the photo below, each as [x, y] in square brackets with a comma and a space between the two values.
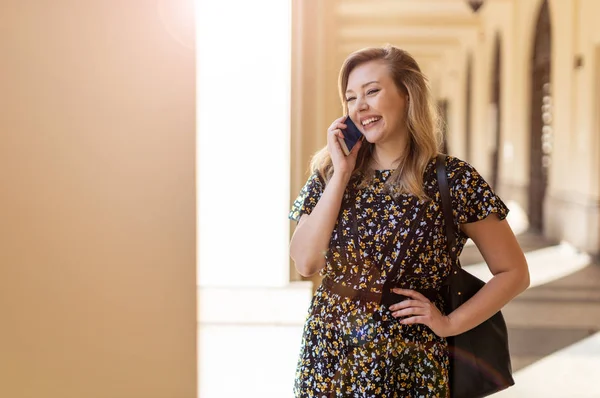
[459, 172]
[454, 167]
[458, 167]
[473, 198]
[462, 175]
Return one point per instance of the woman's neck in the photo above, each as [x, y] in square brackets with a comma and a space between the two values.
[388, 156]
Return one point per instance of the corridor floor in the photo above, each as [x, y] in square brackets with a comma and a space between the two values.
[554, 327]
[554, 332]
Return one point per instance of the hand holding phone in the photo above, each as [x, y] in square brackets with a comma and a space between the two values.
[351, 136]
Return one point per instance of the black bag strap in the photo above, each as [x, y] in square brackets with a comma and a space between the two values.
[444, 188]
[449, 221]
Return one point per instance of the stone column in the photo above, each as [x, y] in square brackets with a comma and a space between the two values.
[314, 89]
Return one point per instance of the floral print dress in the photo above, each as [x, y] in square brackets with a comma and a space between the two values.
[353, 347]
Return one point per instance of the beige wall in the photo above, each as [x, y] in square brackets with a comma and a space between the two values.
[571, 207]
[97, 209]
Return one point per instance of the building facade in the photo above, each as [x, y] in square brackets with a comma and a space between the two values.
[517, 81]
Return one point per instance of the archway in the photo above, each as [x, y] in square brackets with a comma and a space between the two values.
[541, 119]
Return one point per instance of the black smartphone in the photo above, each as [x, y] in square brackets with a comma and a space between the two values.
[351, 136]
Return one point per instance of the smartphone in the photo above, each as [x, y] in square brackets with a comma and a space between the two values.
[351, 136]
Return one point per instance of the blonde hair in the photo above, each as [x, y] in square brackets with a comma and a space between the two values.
[422, 122]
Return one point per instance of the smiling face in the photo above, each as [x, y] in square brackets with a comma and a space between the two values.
[375, 104]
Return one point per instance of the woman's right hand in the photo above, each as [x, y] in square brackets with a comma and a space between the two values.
[341, 163]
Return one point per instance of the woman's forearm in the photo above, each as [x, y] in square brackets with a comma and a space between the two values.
[502, 288]
[310, 241]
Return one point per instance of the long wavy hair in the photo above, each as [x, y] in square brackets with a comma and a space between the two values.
[422, 123]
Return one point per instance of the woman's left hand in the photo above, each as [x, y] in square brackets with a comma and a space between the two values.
[418, 309]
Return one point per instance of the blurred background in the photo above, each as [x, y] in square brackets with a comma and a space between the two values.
[150, 151]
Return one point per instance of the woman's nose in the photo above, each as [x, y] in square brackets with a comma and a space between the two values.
[362, 104]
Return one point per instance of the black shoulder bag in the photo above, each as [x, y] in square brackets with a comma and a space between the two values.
[479, 358]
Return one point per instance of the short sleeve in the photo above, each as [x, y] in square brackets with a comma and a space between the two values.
[308, 197]
[472, 197]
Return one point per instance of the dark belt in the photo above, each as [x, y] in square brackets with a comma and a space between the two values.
[386, 298]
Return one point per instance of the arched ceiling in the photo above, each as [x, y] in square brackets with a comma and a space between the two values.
[431, 30]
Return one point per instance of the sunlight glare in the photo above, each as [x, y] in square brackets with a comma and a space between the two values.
[244, 73]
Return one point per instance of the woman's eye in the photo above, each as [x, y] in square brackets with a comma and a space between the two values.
[375, 90]
[350, 99]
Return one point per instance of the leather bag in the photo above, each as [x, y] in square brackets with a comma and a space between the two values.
[479, 358]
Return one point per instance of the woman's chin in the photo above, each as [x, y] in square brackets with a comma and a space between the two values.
[372, 138]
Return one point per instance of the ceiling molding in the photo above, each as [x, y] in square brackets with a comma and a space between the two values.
[423, 41]
[399, 33]
[411, 21]
[430, 47]
[402, 7]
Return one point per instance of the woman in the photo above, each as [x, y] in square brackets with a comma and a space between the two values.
[359, 215]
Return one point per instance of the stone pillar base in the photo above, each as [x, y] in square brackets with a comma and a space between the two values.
[574, 218]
